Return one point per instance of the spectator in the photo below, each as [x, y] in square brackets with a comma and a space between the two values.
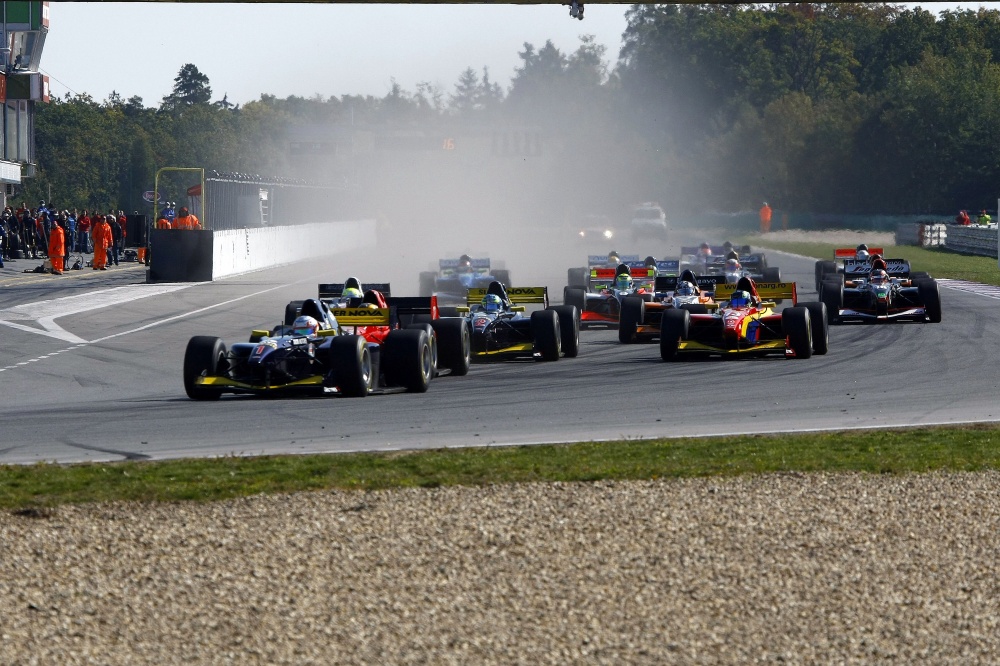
[57, 247]
[984, 218]
[963, 218]
[70, 231]
[27, 228]
[116, 239]
[83, 225]
[3, 239]
[186, 220]
[101, 235]
[765, 218]
[163, 222]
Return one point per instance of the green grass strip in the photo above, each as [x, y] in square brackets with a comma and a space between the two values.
[968, 448]
[939, 262]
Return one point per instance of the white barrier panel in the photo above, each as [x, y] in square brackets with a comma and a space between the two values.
[924, 234]
[973, 240]
[241, 250]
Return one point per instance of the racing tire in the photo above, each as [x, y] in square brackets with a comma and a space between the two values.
[576, 296]
[674, 327]
[577, 277]
[772, 274]
[427, 281]
[350, 365]
[454, 345]
[796, 325]
[432, 337]
[407, 359]
[823, 269]
[569, 329]
[819, 322]
[503, 277]
[545, 331]
[919, 275]
[695, 308]
[205, 356]
[930, 296]
[449, 311]
[831, 293]
[292, 311]
[633, 311]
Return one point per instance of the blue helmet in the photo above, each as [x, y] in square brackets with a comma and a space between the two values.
[739, 299]
[623, 281]
[686, 289]
[492, 303]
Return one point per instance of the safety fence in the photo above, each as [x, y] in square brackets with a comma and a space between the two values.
[924, 234]
[980, 240]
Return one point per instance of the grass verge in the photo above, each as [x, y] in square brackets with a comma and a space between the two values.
[965, 448]
[940, 263]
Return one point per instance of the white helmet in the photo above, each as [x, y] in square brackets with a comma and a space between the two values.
[305, 325]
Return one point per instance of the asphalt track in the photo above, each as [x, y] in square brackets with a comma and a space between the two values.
[90, 370]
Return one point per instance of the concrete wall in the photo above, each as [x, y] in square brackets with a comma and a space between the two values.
[241, 250]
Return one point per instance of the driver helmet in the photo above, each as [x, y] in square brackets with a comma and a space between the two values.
[686, 289]
[351, 294]
[623, 282]
[465, 264]
[739, 299]
[879, 277]
[705, 250]
[368, 306]
[878, 263]
[732, 265]
[862, 255]
[305, 325]
[613, 258]
[492, 303]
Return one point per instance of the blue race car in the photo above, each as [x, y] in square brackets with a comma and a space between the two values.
[456, 276]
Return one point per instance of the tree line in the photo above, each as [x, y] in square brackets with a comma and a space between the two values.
[850, 108]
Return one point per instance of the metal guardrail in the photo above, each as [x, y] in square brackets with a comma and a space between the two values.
[924, 234]
[973, 240]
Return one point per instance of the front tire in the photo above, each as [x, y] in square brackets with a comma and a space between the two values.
[819, 323]
[545, 330]
[796, 325]
[633, 311]
[930, 295]
[350, 365]
[454, 345]
[674, 328]
[576, 296]
[205, 356]
[831, 292]
[407, 359]
[569, 329]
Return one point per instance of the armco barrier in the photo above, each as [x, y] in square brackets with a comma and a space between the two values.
[922, 234]
[198, 256]
[973, 240]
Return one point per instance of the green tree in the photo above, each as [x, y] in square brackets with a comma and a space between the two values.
[191, 87]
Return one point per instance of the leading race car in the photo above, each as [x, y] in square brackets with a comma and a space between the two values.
[306, 359]
[884, 295]
[371, 311]
[501, 329]
[850, 263]
[747, 324]
[456, 276]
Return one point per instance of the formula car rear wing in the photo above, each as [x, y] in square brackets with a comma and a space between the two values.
[334, 290]
[705, 282]
[595, 260]
[517, 295]
[640, 272]
[362, 316]
[862, 268]
[767, 291]
[852, 253]
[717, 250]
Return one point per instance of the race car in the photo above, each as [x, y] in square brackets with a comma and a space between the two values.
[308, 360]
[501, 329]
[697, 258]
[455, 276]
[600, 296]
[640, 318]
[881, 297]
[369, 310]
[850, 263]
[744, 323]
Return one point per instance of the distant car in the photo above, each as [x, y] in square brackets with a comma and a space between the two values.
[596, 229]
[456, 276]
[747, 327]
[879, 298]
[698, 257]
[850, 263]
[503, 330]
[649, 220]
[600, 299]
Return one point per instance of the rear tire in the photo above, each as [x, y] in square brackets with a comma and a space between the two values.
[432, 339]
[545, 330]
[674, 327]
[772, 274]
[350, 365]
[205, 356]
[407, 359]
[695, 308]
[454, 345]
[919, 275]
[633, 311]
[292, 311]
[819, 322]
[824, 268]
[577, 277]
[795, 324]
[930, 295]
[569, 329]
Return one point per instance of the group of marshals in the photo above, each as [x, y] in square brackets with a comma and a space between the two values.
[185, 220]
